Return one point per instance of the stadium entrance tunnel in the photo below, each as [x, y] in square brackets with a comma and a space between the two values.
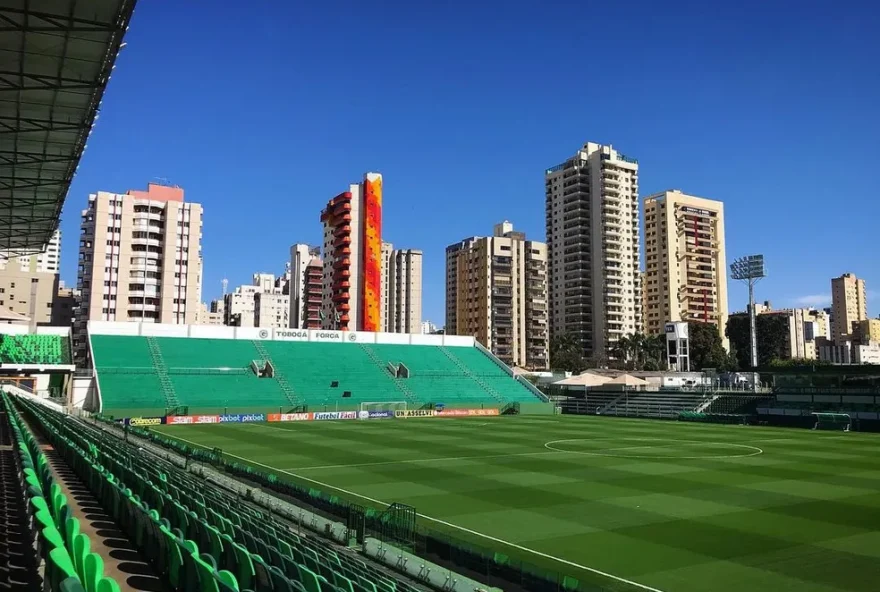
[654, 448]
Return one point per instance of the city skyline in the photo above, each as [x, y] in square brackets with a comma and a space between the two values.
[704, 143]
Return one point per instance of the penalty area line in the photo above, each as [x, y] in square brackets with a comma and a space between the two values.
[449, 524]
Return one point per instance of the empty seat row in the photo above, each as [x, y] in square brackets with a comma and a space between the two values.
[69, 564]
[220, 542]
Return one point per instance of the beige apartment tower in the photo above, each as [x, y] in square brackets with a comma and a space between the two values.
[401, 305]
[496, 291]
[593, 244]
[140, 259]
[685, 261]
[849, 305]
[29, 283]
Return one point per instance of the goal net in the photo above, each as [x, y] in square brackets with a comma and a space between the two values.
[383, 406]
[832, 421]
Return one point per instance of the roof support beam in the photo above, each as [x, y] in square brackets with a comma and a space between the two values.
[17, 81]
[29, 21]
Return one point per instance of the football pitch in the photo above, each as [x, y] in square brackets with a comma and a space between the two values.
[642, 504]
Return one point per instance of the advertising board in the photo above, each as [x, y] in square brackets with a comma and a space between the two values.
[324, 335]
[206, 419]
[230, 419]
[179, 419]
[325, 415]
[295, 417]
[451, 413]
[292, 334]
[376, 414]
[465, 412]
[252, 417]
[144, 421]
[414, 413]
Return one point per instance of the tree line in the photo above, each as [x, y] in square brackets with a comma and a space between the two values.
[638, 351]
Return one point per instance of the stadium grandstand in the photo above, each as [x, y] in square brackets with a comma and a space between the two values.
[152, 370]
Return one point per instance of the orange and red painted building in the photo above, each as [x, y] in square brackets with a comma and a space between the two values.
[352, 257]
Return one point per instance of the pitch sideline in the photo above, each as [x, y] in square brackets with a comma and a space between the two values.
[449, 524]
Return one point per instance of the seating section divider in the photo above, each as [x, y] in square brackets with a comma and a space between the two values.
[69, 565]
[198, 536]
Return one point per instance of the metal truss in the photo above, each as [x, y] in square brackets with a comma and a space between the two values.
[50, 100]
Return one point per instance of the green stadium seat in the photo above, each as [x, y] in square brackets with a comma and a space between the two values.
[34, 349]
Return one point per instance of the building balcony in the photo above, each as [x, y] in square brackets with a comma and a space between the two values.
[341, 297]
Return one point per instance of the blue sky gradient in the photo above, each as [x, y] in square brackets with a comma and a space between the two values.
[263, 114]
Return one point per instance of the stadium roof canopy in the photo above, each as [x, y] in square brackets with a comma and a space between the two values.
[55, 61]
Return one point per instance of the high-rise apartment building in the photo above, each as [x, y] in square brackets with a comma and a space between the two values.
[352, 282]
[401, 290]
[140, 258]
[496, 291]
[401, 302]
[592, 215]
[29, 283]
[306, 284]
[685, 261]
[46, 261]
[849, 304]
[264, 303]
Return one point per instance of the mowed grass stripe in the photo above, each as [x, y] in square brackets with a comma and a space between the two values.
[808, 492]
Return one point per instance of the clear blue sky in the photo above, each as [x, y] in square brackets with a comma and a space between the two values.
[263, 113]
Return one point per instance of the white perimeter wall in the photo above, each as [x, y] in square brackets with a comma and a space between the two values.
[250, 333]
[25, 329]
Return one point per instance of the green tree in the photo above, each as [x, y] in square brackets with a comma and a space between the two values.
[772, 338]
[638, 351]
[706, 348]
[567, 353]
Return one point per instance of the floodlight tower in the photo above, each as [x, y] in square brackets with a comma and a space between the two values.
[750, 269]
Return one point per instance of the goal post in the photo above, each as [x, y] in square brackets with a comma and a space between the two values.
[832, 421]
[383, 406]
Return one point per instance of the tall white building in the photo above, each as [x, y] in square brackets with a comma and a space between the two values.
[264, 303]
[401, 290]
[593, 241]
[47, 261]
[305, 286]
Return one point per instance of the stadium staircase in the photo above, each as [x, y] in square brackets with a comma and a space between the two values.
[707, 402]
[171, 400]
[195, 535]
[288, 391]
[485, 386]
[408, 395]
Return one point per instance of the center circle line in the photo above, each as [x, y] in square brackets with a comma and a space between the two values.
[604, 452]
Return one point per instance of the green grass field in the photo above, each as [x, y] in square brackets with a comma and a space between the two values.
[670, 506]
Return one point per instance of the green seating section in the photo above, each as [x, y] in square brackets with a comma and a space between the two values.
[197, 536]
[213, 375]
[34, 349]
[69, 566]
